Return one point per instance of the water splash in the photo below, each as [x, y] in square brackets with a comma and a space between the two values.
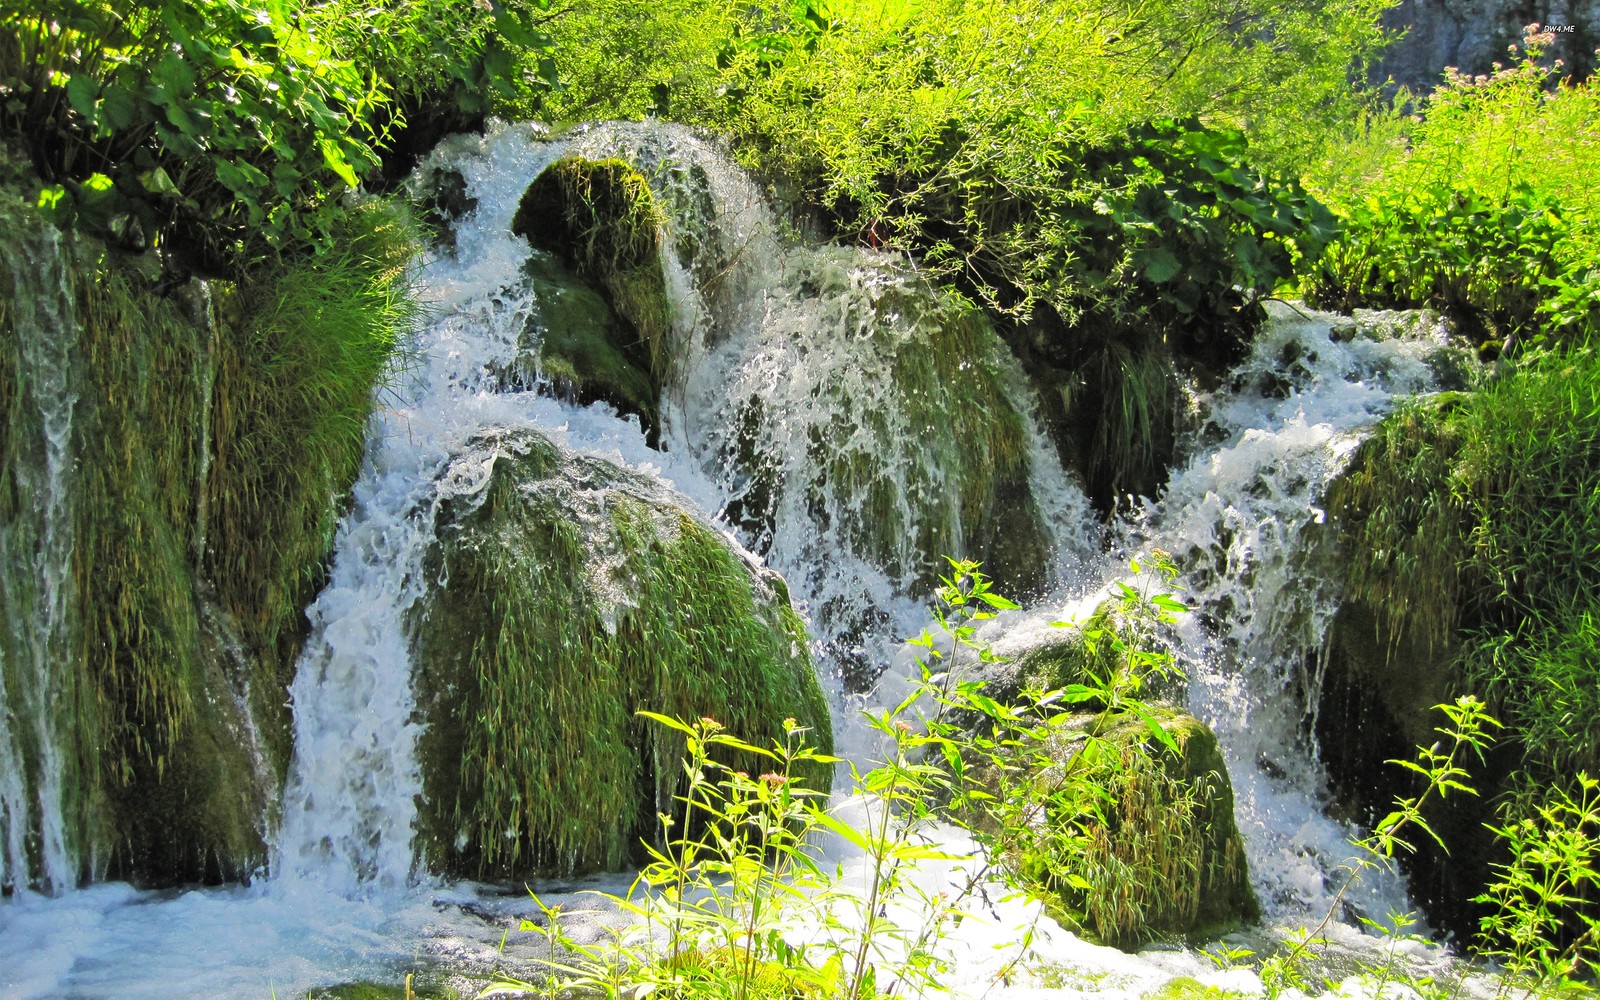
[1240, 517]
[36, 583]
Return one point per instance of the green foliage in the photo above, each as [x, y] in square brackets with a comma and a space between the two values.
[620, 59]
[222, 131]
[1114, 810]
[162, 786]
[1471, 520]
[301, 346]
[140, 636]
[1442, 768]
[1545, 926]
[1044, 153]
[1483, 206]
[601, 218]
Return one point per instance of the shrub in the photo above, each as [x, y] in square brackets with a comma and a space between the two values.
[221, 131]
[1483, 206]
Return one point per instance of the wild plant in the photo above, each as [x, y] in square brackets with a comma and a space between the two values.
[1545, 925]
[1442, 768]
[733, 902]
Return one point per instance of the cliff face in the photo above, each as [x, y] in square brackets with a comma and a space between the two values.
[1472, 35]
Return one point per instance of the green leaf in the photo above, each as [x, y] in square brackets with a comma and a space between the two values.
[334, 157]
[843, 829]
[667, 720]
[56, 204]
[1160, 264]
[1155, 728]
[82, 92]
[120, 107]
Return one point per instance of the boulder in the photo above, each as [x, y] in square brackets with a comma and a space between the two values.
[1151, 851]
[572, 594]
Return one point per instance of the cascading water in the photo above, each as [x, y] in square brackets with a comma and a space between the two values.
[35, 577]
[792, 413]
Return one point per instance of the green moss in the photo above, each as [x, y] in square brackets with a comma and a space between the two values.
[584, 348]
[301, 348]
[932, 460]
[1123, 405]
[213, 431]
[183, 800]
[384, 991]
[600, 218]
[1468, 526]
[1470, 523]
[1185, 988]
[1154, 852]
[573, 595]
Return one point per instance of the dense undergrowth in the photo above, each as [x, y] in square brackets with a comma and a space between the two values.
[1477, 200]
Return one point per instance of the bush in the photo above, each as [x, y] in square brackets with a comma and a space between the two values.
[1029, 155]
[221, 131]
[1482, 207]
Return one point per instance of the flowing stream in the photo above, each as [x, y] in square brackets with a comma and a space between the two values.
[757, 316]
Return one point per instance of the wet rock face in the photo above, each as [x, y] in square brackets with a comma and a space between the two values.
[1376, 704]
[1473, 35]
[572, 594]
[581, 350]
[601, 219]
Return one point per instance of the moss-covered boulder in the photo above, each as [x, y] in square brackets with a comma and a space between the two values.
[1151, 851]
[571, 595]
[582, 349]
[600, 218]
[1467, 525]
[885, 414]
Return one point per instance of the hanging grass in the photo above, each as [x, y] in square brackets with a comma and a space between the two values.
[304, 343]
[573, 594]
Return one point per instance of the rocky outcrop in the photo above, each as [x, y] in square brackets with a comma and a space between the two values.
[1474, 35]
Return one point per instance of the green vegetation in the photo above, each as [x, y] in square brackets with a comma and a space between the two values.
[1113, 188]
[300, 348]
[1472, 519]
[215, 432]
[574, 594]
[219, 132]
[1482, 206]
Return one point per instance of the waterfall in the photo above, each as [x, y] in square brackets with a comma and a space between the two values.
[1242, 517]
[808, 413]
[36, 575]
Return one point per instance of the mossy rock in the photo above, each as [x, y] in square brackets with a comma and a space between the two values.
[601, 219]
[573, 594]
[418, 990]
[582, 348]
[1188, 988]
[1161, 856]
[1031, 658]
[894, 431]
